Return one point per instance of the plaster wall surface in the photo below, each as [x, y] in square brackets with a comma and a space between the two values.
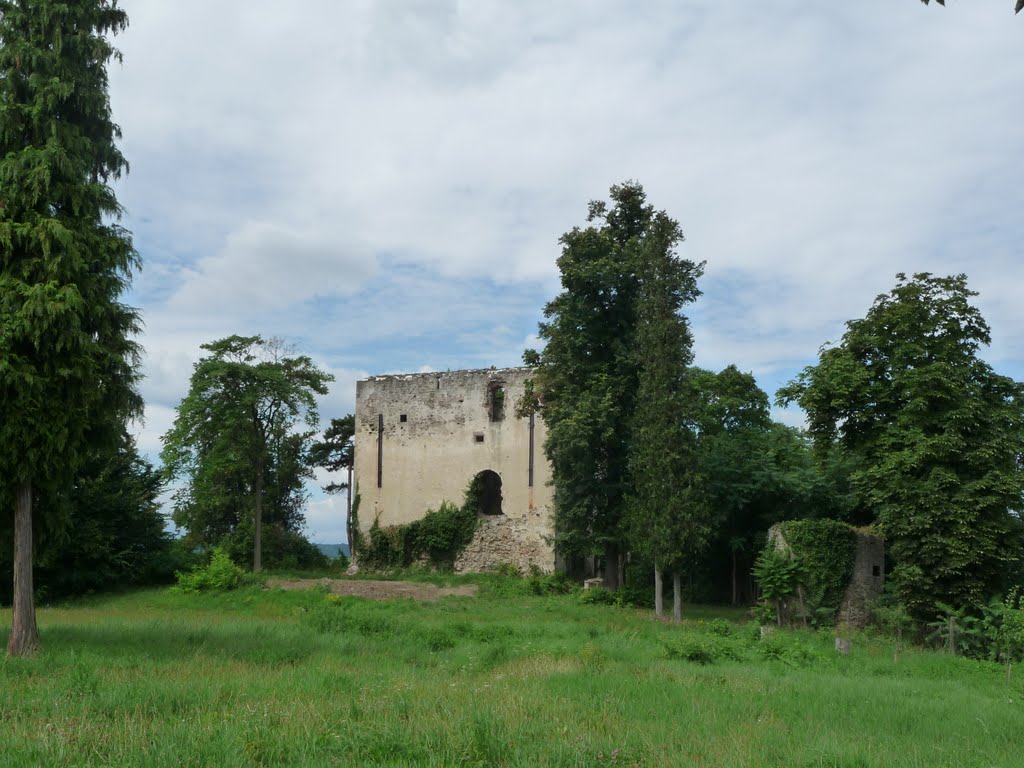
[420, 439]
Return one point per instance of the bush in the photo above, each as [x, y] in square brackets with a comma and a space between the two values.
[720, 627]
[779, 576]
[598, 596]
[780, 646]
[701, 649]
[286, 550]
[219, 574]
[540, 583]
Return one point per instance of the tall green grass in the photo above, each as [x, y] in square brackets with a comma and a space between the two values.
[253, 678]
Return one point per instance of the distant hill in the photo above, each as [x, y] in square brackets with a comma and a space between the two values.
[331, 550]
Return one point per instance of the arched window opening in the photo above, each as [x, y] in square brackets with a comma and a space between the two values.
[489, 486]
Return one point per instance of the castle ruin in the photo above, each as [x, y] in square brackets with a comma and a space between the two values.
[421, 438]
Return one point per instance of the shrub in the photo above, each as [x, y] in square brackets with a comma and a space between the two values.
[700, 649]
[219, 574]
[598, 596]
[780, 646]
[779, 576]
[280, 549]
[720, 627]
[540, 583]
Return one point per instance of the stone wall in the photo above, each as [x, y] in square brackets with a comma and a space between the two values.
[421, 438]
[501, 540]
[866, 582]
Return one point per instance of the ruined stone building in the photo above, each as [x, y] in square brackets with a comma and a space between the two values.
[420, 439]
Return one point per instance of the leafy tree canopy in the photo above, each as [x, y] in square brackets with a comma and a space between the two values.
[588, 374]
[937, 437]
[237, 443]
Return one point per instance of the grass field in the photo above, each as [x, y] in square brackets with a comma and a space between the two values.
[503, 679]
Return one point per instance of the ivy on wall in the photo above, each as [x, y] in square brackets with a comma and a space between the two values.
[437, 538]
[825, 550]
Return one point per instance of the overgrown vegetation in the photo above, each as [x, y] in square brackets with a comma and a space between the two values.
[826, 550]
[808, 578]
[936, 438]
[436, 539]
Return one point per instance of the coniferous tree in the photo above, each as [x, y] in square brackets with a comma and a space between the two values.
[668, 516]
[67, 362]
[336, 452]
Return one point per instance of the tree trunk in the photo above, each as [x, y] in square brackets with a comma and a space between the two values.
[24, 639]
[622, 569]
[659, 594]
[611, 566]
[348, 514]
[257, 538]
[677, 598]
[735, 596]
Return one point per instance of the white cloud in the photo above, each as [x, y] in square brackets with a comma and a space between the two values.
[265, 267]
[385, 183]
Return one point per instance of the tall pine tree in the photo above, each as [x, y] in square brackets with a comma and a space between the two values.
[67, 361]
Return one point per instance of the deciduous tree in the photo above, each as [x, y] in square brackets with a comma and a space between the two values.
[67, 361]
[1016, 8]
[587, 376]
[937, 434]
[240, 423]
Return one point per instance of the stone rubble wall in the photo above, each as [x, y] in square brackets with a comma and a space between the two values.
[501, 540]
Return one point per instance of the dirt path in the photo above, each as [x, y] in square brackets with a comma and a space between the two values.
[376, 590]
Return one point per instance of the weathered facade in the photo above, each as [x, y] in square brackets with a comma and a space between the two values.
[866, 582]
[420, 439]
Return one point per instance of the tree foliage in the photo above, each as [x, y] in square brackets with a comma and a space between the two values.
[1016, 8]
[668, 515]
[111, 533]
[937, 435]
[588, 374]
[758, 473]
[237, 442]
[336, 450]
[66, 354]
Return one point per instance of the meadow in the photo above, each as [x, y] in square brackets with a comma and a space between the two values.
[507, 678]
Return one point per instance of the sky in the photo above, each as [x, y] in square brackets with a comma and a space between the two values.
[383, 183]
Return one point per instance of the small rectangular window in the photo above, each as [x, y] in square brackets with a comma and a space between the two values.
[478, 437]
[403, 418]
[876, 570]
